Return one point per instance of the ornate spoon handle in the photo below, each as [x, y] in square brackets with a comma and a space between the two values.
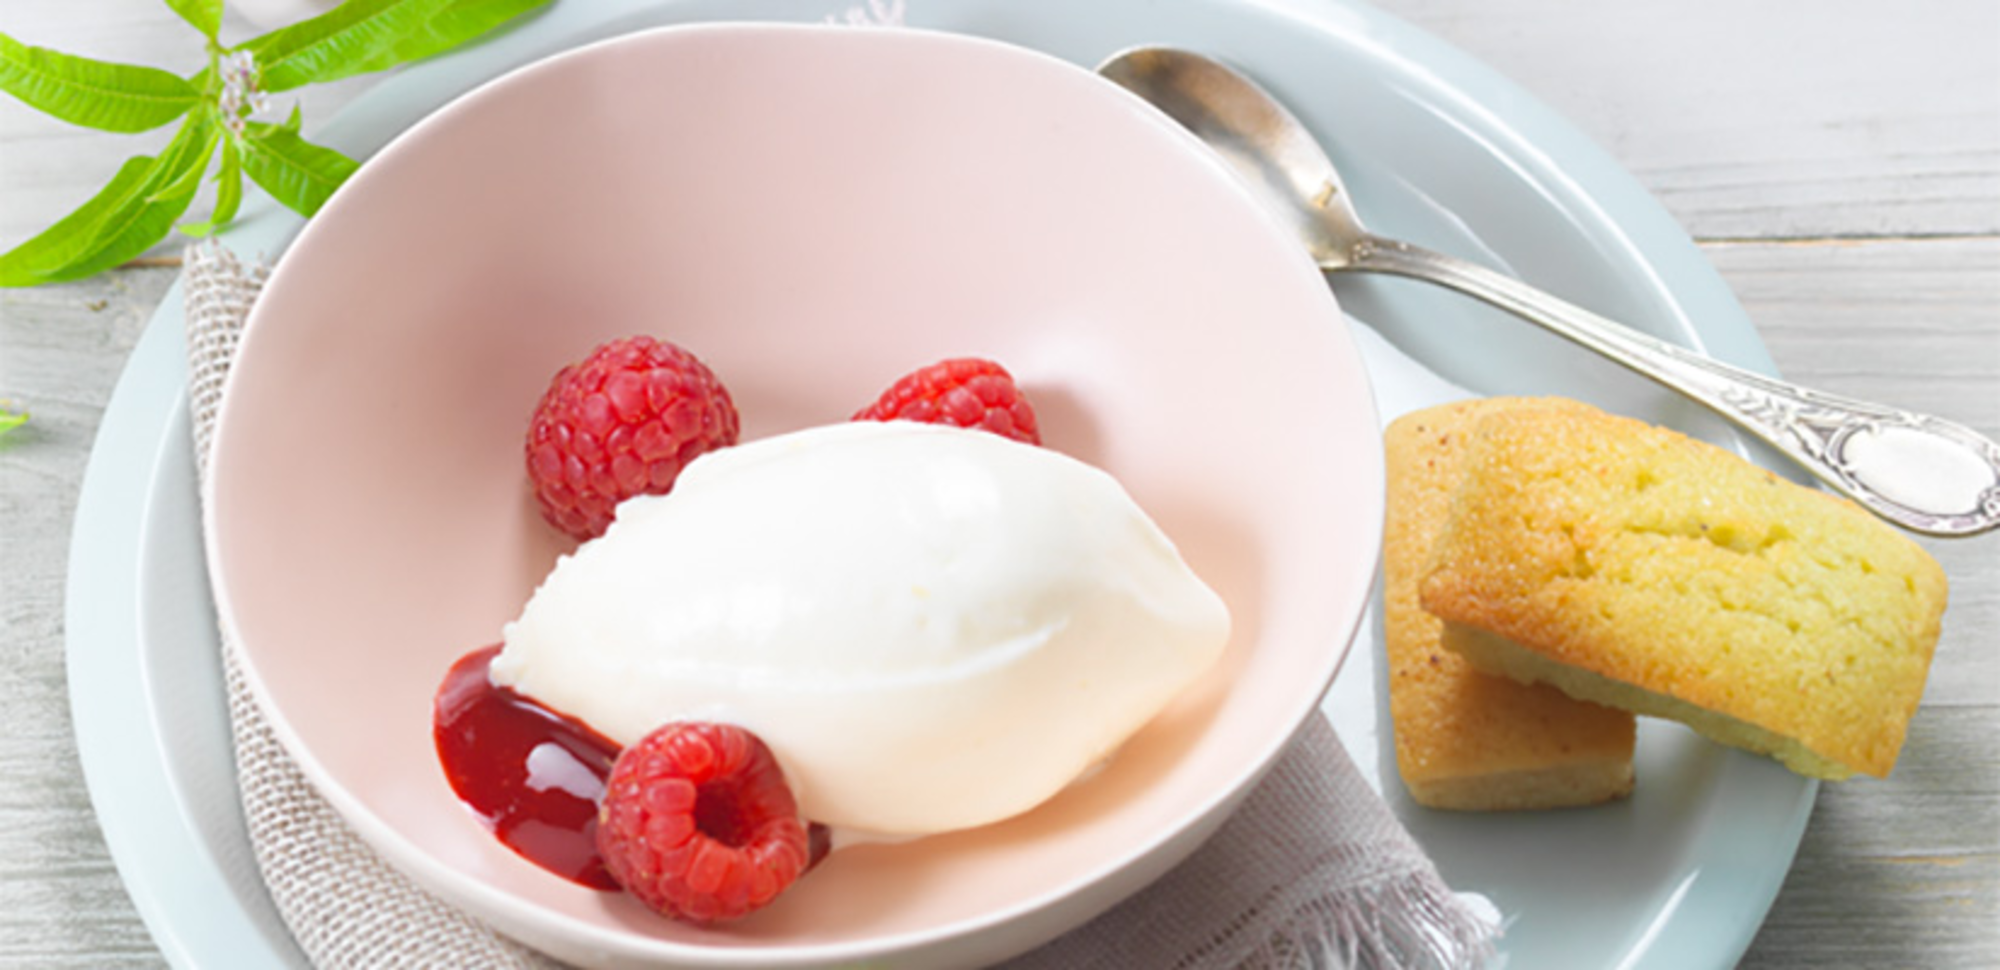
[1921, 472]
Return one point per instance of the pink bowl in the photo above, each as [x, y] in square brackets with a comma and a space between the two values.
[813, 211]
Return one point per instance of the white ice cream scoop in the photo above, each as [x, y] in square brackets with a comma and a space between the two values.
[932, 628]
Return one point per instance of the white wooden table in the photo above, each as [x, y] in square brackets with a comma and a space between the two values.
[1839, 160]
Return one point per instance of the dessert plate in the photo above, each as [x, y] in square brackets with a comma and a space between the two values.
[1443, 152]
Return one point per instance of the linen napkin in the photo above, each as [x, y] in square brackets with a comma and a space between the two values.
[1311, 871]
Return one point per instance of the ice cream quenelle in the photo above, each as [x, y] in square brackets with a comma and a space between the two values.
[931, 627]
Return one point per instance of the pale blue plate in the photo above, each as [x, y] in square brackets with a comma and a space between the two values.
[1441, 151]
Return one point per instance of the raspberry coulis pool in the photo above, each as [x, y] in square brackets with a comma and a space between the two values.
[531, 774]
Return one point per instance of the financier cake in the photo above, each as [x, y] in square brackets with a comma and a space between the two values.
[1634, 566]
[1468, 740]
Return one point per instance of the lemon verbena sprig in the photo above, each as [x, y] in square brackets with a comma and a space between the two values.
[217, 109]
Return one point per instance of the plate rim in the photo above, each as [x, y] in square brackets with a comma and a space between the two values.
[117, 494]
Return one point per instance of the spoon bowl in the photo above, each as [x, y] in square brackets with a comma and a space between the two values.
[1920, 472]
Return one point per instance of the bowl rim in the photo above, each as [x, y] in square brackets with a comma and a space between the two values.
[542, 923]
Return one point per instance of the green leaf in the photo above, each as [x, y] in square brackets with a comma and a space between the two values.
[228, 193]
[296, 172]
[29, 263]
[9, 420]
[462, 22]
[93, 93]
[146, 215]
[203, 15]
[186, 180]
[354, 38]
[120, 221]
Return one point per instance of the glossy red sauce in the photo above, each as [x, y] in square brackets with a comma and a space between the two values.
[532, 775]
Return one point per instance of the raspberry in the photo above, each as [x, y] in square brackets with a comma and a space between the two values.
[621, 422]
[969, 392]
[698, 823]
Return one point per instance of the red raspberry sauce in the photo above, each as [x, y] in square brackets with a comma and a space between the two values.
[534, 775]
[531, 774]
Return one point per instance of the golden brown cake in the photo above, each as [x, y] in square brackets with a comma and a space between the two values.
[1468, 740]
[1634, 566]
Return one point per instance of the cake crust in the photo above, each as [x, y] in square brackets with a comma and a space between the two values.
[1666, 568]
[1468, 740]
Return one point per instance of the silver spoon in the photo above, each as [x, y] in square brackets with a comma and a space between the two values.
[1921, 472]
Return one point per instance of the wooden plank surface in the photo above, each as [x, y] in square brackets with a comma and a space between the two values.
[61, 350]
[1780, 119]
[1840, 161]
[1904, 871]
